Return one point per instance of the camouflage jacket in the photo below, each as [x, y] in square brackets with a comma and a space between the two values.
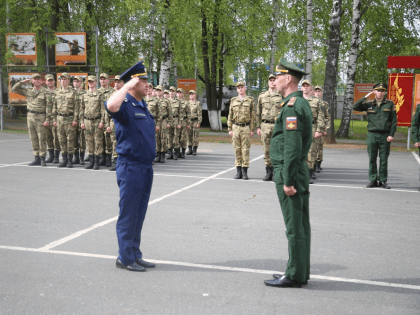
[152, 106]
[177, 112]
[196, 113]
[242, 112]
[318, 117]
[92, 106]
[185, 120]
[327, 116]
[268, 107]
[164, 110]
[66, 105]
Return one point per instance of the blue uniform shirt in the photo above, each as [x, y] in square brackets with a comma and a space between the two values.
[135, 131]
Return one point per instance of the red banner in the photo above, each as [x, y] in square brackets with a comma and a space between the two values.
[400, 91]
[403, 62]
[416, 93]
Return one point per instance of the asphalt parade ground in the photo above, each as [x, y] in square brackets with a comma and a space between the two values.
[214, 239]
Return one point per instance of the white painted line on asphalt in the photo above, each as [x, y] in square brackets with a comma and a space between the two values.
[370, 189]
[79, 233]
[17, 164]
[416, 155]
[216, 267]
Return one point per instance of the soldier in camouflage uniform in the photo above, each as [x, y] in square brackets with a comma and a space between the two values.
[164, 114]
[268, 107]
[66, 116]
[195, 122]
[92, 120]
[175, 126]
[318, 124]
[320, 155]
[107, 91]
[53, 144]
[152, 105]
[241, 122]
[39, 115]
[80, 143]
[184, 119]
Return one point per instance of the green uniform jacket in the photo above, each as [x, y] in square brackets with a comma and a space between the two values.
[292, 137]
[415, 126]
[382, 118]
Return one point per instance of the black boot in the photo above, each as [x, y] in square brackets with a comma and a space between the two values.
[87, 158]
[313, 174]
[36, 161]
[171, 154]
[102, 159]
[97, 162]
[91, 162]
[76, 159]
[176, 154]
[238, 172]
[157, 158]
[51, 156]
[108, 160]
[114, 165]
[244, 172]
[195, 150]
[182, 154]
[65, 160]
[162, 157]
[82, 158]
[56, 157]
[43, 163]
[189, 152]
[317, 167]
[272, 172]
[269, 174]
[70, 161]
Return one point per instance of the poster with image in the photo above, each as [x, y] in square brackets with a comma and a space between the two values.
[22, 47]
[71, 49]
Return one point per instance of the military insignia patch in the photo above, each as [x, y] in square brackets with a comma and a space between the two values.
[292, 101]
[291, 123]
[395, 108]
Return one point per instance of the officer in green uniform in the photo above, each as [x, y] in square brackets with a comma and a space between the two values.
[415, 128]
[382, 124]
[290, 143]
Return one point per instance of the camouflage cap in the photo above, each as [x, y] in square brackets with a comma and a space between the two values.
[306, 82]
[318, 88]
[104, 75]
[240, 83]
[92, 78]
[159, 87]
[151, 85]
[172, 88]
[192, 92]
[380, 86]
[271, 76]
[285, 67]
[65, 74]
[78, 77]
[35, 75]
[49, 77]
[117, 77]
[166, 91]
[75, 41]
[180, 90]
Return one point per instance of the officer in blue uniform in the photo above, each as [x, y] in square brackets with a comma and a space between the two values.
[136, 148]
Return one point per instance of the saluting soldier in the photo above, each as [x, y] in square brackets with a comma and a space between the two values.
[39, 115]
[268, 107]
[327, 121]
[66, 116]
[53, 144]
[318, 123]
[196, 113]
[241, 122]
[80, 143]
[165, 114]
[92, 120]
[184, 119]
[382, 125]
[107, 91]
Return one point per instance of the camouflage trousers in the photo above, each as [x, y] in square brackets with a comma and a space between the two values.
[241, 141]
[311, 159]
[37, 133]
[320, 154]
[80, 140]
[52, 138]
[114, 143]
[266, 133]
[183, 137]
[94, 137]
[177, 137]
[194, 134]
[161, 137]
[66, 135]
[107, 142]
[171, 135]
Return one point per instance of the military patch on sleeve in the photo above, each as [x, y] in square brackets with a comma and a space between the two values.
[291, 123]
[291, 101]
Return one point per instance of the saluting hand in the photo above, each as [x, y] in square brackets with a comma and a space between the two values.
[132, 83]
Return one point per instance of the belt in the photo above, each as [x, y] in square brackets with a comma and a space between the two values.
[93, 118]
[65, 115]
[175, 116]
[242, 125]
[39, 113]
[164, 117]
[268, 121]
[194, 119]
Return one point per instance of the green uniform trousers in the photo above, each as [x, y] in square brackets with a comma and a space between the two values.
[376, 141]
[296, 218]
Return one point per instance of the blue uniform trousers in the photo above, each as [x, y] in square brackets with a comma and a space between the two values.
[135, 183]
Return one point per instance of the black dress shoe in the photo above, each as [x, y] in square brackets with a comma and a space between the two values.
[144, 263]
[384, 185]
[283, 282]
[278, 276]
[133, 267]
[372, 184]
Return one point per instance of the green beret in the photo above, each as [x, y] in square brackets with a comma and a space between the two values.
[285, 67]
[380, 86]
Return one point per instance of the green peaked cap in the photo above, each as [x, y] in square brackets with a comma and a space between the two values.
[285, 67]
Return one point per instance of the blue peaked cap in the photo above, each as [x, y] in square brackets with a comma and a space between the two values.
[138, 70]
